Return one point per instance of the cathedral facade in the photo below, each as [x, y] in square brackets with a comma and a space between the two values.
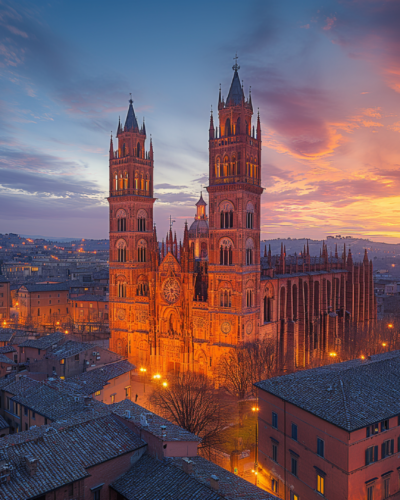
[181, 306]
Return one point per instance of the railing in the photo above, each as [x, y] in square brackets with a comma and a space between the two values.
[124, 192]
[234, 180]
[130, 159]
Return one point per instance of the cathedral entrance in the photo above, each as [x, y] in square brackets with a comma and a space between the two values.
[170, 342]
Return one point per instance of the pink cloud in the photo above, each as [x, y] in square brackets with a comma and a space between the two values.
[330, 21]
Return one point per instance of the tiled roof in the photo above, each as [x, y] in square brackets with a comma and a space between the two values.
[3, 423]
[171, 433]
[70, 348]
[231, 487]
[350, 395]
[55, 403]
[6, 359]
[20, 386]
[94, 380]
[6, 334]
[64, 452]
[44, 342]
[46, 287]
[151, 479]
[7, 348]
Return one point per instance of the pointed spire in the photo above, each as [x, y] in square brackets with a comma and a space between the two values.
[211, 130]
[186, 237]
[344, 254]
[236, 94]
[143, 128]
[131, 123]
[220, 104]
[119, 129]
[336, 252]
[258, 126]
[265, 250]
[349, 258]
[111, 149]
[366, 260]
[269, 256]
[308, 249]
[250, 103]
[162, 249]
[151, 148]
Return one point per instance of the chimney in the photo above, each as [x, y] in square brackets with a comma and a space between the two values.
[214, 482]
[31, 464]
[187, 465]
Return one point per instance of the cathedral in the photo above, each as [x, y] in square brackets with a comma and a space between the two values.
[177, 306]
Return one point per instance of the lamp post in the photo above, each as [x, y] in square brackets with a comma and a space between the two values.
[143, 372]
[256, 409]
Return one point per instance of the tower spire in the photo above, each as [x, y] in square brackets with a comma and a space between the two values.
[211, 130]
[111, 148]
[258, 126]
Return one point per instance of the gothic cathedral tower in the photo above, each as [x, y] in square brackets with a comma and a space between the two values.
[234, 220]
[132, 238]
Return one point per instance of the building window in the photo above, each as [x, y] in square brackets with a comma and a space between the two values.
[384, 425]
[25, 411]
[274, 486]
[387, 448]
[97, 393]
[267, 309]
[386, 487]
[225, 256]
[62, 361]
[142, 289]
[294, 432]
[121, 290]
[372, 429]
[128, 391]
[141, 224]
[121, 248]
[227, 217]
[225, 298]
[320, 484]
[33, 415]
[371, 455]
[370, 492]
[294, 466]
[26, 426]
[320, 447]
[275, 453]
[293, 496]
[274, 420]
[77, 357]
[249, 220]
[249, 256]
[122, 224]
[112, 398]
[142, 251]
[249, 298]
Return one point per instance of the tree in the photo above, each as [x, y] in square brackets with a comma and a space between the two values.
[246, 364]
[191, 401]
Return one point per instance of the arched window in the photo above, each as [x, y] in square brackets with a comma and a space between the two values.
[228, 127]
[125, 180]
[225, 297]
[247, 128]
[123, 150]
[226, 215]
[116, 182]
[249, 297]
[143, 287]
[225, 252]
[142, 248]
[141, 219]
[295, 303]
[316, 298]
[233, 165]
[136, 181]
[121, 248]
[226, 166]
[121, 287]
[249, 215]
[218, 167]
[249, 252]
[142, 183]
[138, 150]
[121, 219]
[282, 303]
[147, 185]
[238, 126]
[248, 166]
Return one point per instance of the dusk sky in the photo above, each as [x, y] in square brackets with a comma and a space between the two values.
[325, 75]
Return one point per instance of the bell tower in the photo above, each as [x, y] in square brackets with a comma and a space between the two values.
[132, 238]
[234, 217]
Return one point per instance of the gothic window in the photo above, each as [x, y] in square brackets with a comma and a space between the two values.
[225, 297]
[247, 167]
[247, 128]
[116, 182]
[282, 303]
[121, 286]
[121, 248]
[316, 298]
[125, 180]
[120, 182]
[141, 218]
[226, 215]
[136, 181]
[142, 248]
[218, 167]
[143, 287]
[121, 220]
[123, 150]
[138, 150]
[226, 167]
[295, 303]
[225, 249]
[142, 183]
[249, 215]
[147, 185]
[238, 126]
[267, 309]
[228, 127]
[233, 165]
[249, 297]
[249, 252]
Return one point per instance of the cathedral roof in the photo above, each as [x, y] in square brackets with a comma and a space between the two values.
[235, 95]
[131, 122]
[199, 226]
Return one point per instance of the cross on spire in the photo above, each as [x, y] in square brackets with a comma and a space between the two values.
[171, 222]
[130, 100]
[235, 67]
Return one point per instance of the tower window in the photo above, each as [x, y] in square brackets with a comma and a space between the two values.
[142, 289]
[249, 298]
[121, 248]
[225, 257]
[141, 218]
[121, 290]
[249, 220]
[267, 309]
[142, 251]
[249, 252]
[116, 182]
[225, 298]
[122, 224]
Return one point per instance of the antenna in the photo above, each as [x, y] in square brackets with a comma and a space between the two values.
[171, 221]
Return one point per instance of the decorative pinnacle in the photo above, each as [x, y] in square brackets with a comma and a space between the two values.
[235, 67]
[130, 100]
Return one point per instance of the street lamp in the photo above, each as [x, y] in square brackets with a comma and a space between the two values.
[157, 376]
[143, 372]
[333, 354]
[165, 384]
[255, 410]
[390, 325]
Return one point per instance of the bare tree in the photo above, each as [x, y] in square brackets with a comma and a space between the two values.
[191, 401]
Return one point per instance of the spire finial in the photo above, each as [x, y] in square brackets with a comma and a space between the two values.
[236, 67]
[130, 100]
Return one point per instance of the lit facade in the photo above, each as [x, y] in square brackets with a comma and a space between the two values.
[180, 306]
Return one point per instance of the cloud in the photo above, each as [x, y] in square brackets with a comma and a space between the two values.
[330, 21]
[165, 185]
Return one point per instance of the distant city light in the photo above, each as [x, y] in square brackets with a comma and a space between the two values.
[333, 354]
[157, 376]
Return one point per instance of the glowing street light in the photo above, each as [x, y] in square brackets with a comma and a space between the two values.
[362, 356]
[143, 372]
[390, 325]
[165, 384]
[157, 376]
[333, 354]
[384, 344]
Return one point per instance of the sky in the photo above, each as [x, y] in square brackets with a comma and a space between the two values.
[324, 74]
